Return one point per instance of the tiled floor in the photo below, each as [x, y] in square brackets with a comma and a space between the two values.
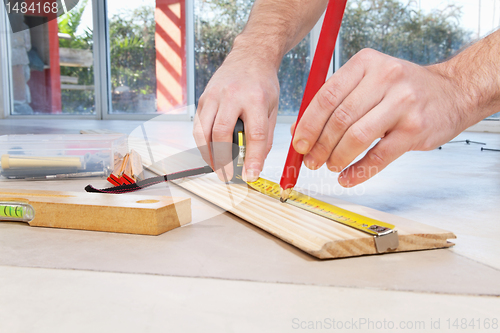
[222, 274]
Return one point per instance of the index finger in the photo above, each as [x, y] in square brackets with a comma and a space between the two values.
[324, 103]
[222, 139]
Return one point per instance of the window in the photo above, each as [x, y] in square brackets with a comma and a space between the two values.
[76, 61]
[52, 63]
[132, 61]
[421, 31]
[138, 58]
[216, 25]
[148, 56]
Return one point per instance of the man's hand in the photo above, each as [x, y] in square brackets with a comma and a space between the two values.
[244, 87]
[409, 107]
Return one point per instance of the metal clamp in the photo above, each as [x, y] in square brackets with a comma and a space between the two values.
[387, 242]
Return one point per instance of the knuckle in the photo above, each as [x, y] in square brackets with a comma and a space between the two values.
[307, 129]
[257, 134]
[199, 135]
[395, 68]
[320, 151]
[255, 160]
[359, 135]
[416, 125]
[229, 90]
[221, 130]
[409, 96]
[258, 97]
[208, 94]
[366, 55]
[201, 101]
[341, 118]
[376, 157]
[327, 97]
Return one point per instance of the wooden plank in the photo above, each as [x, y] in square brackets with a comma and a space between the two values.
[316, 235]
[133, 214]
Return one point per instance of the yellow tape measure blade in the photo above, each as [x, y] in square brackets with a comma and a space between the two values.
[385, 236]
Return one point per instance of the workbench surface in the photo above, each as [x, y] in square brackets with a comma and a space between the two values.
[222, 274]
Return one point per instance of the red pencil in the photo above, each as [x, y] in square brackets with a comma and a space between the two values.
[317, 77]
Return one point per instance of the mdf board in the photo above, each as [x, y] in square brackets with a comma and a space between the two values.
[316, 235]
[133, 214]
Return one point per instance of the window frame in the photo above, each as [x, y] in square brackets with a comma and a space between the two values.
[102, 72]
[6, 93]
[102, 65]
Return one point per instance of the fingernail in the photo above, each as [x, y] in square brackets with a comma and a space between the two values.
[252, 173]
[302, 146]
[219, 174]
[310, 163]
[343, 179]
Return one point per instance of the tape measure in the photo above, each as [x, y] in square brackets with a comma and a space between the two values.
[385, 235]
[238, 150]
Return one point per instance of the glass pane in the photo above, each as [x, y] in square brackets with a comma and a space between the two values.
[217, 23]
[401, 29]
[148, 56]
[423, 31]
[52, 63]
[292, 75]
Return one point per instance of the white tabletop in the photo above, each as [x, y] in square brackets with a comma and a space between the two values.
[222, 274]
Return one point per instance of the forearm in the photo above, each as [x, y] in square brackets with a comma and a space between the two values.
[276, 26]
[246, 86]
[476, 74]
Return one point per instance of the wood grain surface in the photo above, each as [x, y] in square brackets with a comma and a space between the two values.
[316, 235]
[133, 214]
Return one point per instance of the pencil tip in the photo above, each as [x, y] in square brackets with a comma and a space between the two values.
[285, 194]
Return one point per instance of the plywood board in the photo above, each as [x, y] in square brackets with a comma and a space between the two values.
[134, 214]
[316, 235]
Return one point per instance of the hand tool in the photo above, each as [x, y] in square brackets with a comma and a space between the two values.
[238, 157]
[385, 235]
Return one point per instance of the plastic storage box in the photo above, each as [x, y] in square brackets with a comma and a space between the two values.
[59, 156]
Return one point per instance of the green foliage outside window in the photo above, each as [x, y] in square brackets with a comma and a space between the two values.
[133, 57]
[77, 101]
[390, 26]
[217, 23]
[397, 29]
[132, 54]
